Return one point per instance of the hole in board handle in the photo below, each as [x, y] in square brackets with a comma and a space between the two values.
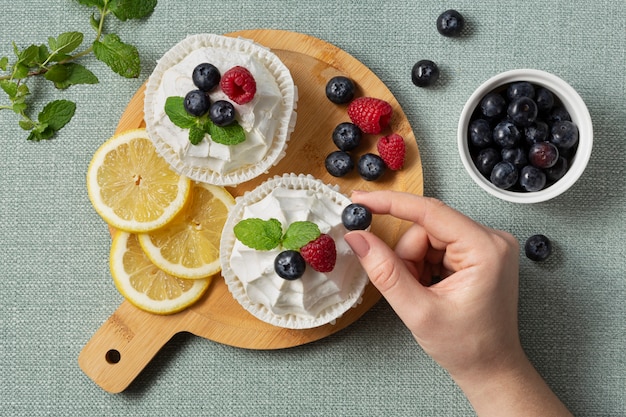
[113, 356]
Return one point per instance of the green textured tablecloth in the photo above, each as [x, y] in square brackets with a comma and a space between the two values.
[55, 286]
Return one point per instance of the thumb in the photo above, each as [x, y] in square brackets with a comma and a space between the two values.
[388, 273]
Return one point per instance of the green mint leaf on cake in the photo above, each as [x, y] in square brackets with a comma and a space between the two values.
[259, 234]
[299, 234]
[226, 135]
[175, 110]
[196, 134]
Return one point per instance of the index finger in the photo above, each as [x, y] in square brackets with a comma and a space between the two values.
[438, 219]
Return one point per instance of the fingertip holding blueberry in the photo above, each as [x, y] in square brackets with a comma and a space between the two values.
[424, 73]
[356, 217]
[340, 89]
[538, 248]
[450, 23]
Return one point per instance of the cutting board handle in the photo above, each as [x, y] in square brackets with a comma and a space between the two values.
[124, 345]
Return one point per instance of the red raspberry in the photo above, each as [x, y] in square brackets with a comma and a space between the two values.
[238, 84]
[370, 114]
[320, 253]
[392, 149]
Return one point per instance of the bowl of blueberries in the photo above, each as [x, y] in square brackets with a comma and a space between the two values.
[525, 136]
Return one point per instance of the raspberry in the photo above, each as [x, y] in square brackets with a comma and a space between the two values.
[392, 149]
[320, 253]
[238, 84]
[370, 114]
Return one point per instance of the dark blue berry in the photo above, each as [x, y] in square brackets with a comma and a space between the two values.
[424, 73]
[517, 156]
[480, 133]
[506, 134]
[536, 132]
[289, 265]
[450, 23]
[564, 134]
[340, 89]
[347, 136]
[532, 178]
[504, 175]
[520, 89]
[558, 170]
[538, 248]
[196, 103]
[493, 105]
[544, 99]
[522, 111]
[371, 167]
[339, 163]
[543, 155]
[356, 217]
[206, 76]
[486, 160]
[558, 114]
[222, 113]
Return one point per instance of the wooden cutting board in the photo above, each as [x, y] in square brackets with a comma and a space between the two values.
[130, 338]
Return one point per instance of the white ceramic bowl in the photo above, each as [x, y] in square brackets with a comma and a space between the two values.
[570, 99]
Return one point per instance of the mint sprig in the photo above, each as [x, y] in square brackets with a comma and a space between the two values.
[199, 126]
[55, 61]
[268, 234]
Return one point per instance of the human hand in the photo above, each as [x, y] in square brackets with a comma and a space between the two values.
[467, 322]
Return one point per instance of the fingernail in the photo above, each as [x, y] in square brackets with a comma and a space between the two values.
[357, 192]
[358, 244]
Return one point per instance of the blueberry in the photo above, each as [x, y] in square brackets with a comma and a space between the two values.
[206, 76]
[520, 89]
[356, 217]
[517, 156]
[339, 163]
[544, 99]
[450, 23]
[532, 178]
[538, 248]
[558, 113]
[543, 154]
[564, 134]
[371, 167]
[486, 160]
[340, 89]
[424, 73]
[222, 113]
[289, 265]
[480, 133]
[493, 105]
[522, 111]
[504, 175]
[347, 136]
[536, 132]
[196, 103]
[506, 134]
[558, 170]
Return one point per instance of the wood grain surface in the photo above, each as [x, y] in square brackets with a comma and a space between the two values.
[130, 338]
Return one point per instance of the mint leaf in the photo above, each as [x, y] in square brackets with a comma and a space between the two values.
[4, 61]
[299, 234]
[9, 87]
[259, 234]
[122, 58]
[75, 74]
[57, 73]
[175, 110]
[196, 134]
[65, 43]
[132, 9]
[57, 114]
[226, 135]
[97, 3]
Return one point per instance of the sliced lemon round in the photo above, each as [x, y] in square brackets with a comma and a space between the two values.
[144, 284]
[188, 246]
[131, 187]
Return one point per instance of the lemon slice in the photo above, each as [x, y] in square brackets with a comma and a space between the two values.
[144, 284]
[188, 246]
[131, 187]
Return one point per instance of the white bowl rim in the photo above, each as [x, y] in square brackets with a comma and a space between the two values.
[571, 100]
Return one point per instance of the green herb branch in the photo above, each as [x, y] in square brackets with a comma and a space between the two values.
[56, 62]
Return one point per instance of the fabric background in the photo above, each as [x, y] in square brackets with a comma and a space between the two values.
[55, 286]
